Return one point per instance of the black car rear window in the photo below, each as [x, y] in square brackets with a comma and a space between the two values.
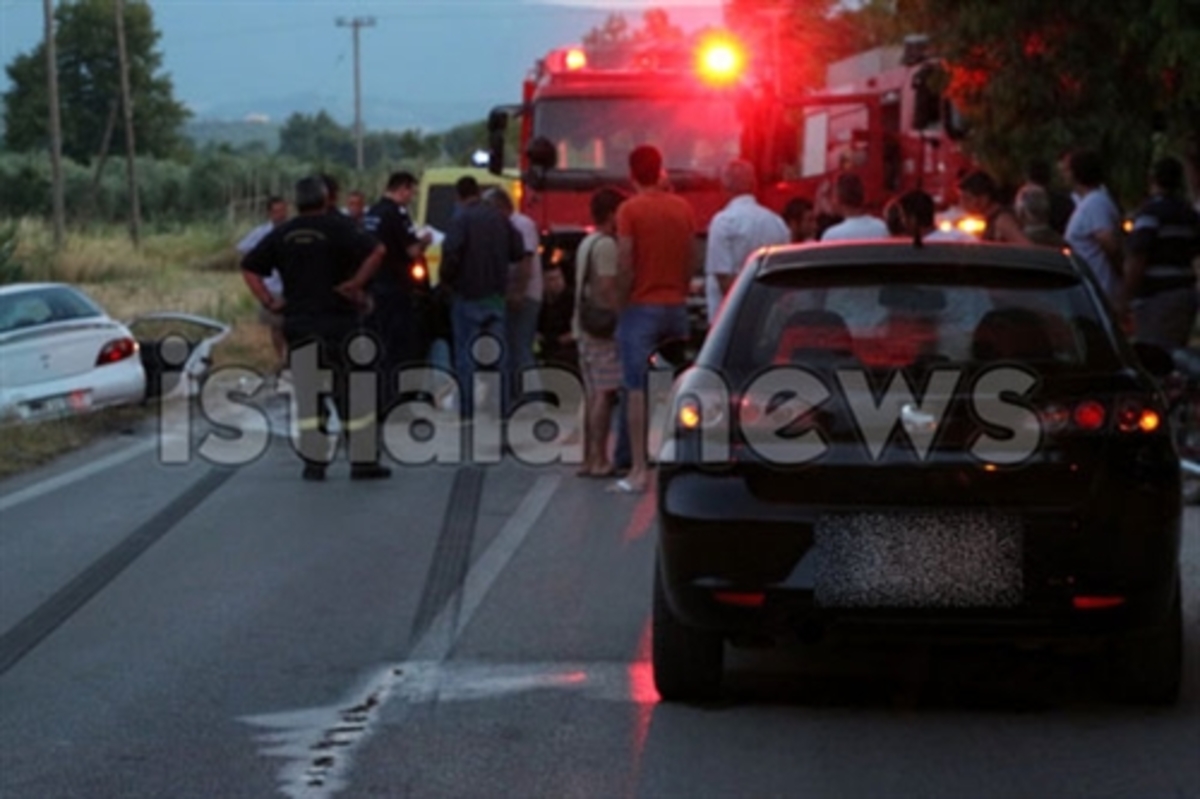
[42, 306]
[898, 316]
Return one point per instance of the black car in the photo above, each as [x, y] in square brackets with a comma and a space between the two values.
[939, 442]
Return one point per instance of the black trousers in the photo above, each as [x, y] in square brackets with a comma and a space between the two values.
[318, 353]
[400, 327]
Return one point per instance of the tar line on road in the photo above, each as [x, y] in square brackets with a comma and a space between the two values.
[452, 556]
[34, 628]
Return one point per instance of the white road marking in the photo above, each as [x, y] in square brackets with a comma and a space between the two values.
[75, 475]
[318, 744]
[448, 625]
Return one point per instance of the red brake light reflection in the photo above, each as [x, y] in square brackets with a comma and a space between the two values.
[1097, 602]
[1089, 415]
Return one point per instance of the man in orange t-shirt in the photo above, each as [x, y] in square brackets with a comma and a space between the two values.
[656, 242]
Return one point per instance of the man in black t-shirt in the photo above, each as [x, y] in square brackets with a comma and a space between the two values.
[400, 290]
[325, 263]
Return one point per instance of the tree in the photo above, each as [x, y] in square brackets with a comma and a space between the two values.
[615, 30]
[89, 85]
[1174, 30]
[1034, 78]
[317, 137]
[876, 23]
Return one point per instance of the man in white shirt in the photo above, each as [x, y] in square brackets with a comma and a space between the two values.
[736, 231]
[850, 200]
[277, 214]
[1094, 230]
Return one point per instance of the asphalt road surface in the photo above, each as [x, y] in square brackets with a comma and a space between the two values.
[194, 630]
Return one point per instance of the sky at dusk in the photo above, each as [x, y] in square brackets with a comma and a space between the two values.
[425, 63]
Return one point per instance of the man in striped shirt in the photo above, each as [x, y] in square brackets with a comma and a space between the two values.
[1160, 277]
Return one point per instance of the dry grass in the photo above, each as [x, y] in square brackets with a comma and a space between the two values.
[28, 446]
[190, 270]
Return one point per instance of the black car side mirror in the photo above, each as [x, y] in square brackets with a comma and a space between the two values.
[1157, 360]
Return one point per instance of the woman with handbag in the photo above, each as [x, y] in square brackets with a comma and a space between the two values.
[595, 326]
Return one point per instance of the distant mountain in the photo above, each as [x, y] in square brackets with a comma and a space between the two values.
[379, 113]
[234, 133]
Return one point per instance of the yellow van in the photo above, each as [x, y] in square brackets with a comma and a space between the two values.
[436, 199]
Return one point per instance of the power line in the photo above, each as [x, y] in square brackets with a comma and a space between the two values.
[355, 25]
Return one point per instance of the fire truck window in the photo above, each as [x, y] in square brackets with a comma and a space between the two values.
[599, 133]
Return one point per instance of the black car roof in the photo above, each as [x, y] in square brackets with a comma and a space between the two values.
[901, 252]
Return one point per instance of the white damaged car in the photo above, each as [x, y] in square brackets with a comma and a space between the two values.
[61, 353]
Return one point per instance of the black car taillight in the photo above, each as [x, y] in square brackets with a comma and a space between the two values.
[117, 350]
[1128, 415]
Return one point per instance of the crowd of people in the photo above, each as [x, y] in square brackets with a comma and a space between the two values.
[325, 274]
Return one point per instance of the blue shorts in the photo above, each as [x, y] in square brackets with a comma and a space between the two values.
[642, 329]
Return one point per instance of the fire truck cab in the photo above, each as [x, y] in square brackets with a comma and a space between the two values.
[583, 110]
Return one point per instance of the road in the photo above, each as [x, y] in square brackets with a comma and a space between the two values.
[191, 630]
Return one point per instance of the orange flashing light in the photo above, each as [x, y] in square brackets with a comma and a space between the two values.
[973, 225]
[576, 59]
[418, 272]
[721, 61]
[689, 415]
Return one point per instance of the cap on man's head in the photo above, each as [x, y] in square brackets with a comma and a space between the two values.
[645, 164]
[401, 180]
[466, 187]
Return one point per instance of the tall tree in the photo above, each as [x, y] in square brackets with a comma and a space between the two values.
[1034, 78]
[615, 30]
[90, 84]
[1174, 30]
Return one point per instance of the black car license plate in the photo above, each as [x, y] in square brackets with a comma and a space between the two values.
[919, 559]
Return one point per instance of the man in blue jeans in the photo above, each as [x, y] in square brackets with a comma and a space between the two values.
[656, 257]
[479, 246]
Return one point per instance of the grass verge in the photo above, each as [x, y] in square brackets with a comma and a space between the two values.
[27, 446]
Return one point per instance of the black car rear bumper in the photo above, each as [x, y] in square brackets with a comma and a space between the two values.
[739, 564]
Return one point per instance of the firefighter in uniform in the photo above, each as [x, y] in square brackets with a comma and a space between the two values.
[325, 263]
[400, 290]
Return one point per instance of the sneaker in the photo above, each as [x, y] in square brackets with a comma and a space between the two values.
[370, 471]
[314, 473]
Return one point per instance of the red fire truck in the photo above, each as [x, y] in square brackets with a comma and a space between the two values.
[583, 110]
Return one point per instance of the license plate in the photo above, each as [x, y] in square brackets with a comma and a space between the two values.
[59, 405]
[919, 559]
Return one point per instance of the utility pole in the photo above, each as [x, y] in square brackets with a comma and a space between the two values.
[55, 126]
[135, 222]
[355, 25]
